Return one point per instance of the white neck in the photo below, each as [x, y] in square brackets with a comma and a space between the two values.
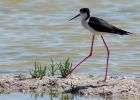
[83, 17]
[84, 20]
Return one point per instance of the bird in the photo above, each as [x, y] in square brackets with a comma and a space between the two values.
[97, 26]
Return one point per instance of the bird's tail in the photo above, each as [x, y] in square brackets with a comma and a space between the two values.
[121, 32]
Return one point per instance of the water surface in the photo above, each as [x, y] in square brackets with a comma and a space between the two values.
[38, 30]
[21, 96]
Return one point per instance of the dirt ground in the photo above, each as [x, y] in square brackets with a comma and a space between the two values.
[126, 88]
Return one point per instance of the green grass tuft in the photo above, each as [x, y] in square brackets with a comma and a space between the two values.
[64, 67]
[38, 72]
[52, 69]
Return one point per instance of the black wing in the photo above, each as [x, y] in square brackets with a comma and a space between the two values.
[101, 25]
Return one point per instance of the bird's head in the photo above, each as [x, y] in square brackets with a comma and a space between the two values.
[84, 13]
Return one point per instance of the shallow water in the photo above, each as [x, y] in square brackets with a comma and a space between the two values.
[21, 96]
[38, 30]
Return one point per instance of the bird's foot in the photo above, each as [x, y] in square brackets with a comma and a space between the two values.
[102, 81]
[69, 73]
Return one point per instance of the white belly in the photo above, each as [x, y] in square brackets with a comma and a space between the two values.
[86, 26]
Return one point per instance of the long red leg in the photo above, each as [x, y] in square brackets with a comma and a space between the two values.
[108, 52]
[90, 54]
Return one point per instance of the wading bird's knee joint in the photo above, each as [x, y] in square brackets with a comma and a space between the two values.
[90, 54]
[108, 52]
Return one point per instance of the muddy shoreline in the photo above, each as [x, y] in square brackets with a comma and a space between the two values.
[115, 87]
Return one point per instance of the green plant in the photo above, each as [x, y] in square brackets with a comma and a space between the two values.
[38, 72]
[65, 67]
[52, 68]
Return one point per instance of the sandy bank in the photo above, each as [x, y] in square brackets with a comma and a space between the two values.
[115, 87]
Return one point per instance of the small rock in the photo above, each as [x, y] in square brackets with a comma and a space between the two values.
[106, 94]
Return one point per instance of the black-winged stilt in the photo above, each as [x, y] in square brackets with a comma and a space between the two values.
[97, 26]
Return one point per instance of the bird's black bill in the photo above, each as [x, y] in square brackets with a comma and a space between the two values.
[75, 17]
